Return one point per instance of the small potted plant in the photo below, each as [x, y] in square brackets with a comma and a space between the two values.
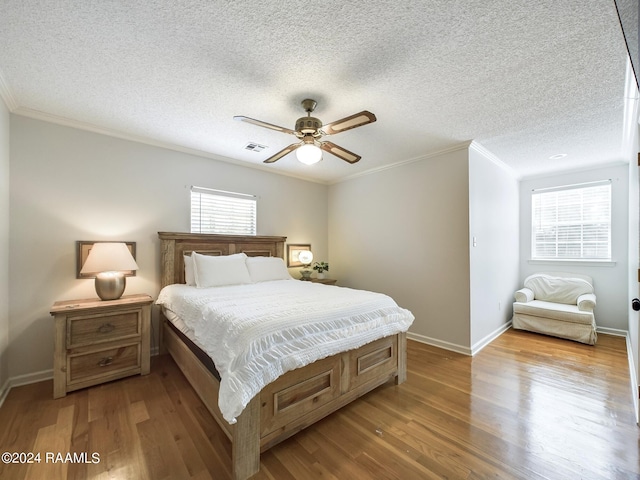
[321, 267]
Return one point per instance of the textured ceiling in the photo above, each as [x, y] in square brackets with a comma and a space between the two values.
[526, 80]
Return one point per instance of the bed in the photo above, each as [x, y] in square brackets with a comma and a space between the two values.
[295, 399]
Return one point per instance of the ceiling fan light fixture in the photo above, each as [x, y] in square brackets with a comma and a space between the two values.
[309, 130]
[309, 154]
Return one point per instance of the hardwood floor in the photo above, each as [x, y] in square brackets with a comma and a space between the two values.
[526, 407]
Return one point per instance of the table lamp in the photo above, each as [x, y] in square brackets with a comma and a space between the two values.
[305, 257]
[108, 261]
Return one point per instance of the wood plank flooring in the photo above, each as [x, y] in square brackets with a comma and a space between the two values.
[526, 407]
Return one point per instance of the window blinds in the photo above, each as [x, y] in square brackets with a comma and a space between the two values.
[217, 211]
[572, 222]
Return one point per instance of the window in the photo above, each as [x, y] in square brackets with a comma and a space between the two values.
[572, 222]
[217, 211]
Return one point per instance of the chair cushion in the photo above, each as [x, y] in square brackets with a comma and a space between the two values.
[557, 289]
[554, 311]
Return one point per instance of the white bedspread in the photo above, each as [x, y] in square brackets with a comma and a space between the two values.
[254, 333]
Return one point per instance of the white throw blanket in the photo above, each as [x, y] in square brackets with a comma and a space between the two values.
[254, 333]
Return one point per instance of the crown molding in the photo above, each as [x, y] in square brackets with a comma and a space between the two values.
[454, 148]
[6, 95]
[560, 172]
[67, 122]
[493, 158]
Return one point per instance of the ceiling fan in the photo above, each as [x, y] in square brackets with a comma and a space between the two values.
[310, 130]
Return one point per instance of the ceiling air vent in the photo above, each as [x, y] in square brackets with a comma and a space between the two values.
[254, 147]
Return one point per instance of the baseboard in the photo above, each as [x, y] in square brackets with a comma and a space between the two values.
[439, 343]
[635, 388]
[434, 342]
[34, 378]
[24, 380]
[612, 331]
[48, 374]
[4, 392]
[475, 348]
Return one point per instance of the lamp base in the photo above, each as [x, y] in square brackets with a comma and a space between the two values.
[110, 285]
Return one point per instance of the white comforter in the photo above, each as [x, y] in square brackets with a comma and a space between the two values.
[254, 333]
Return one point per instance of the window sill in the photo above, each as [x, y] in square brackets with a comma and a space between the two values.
[584, 263]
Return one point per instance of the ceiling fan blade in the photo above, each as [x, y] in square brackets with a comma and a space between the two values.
[283, 152]
[260, 123]
[347, 123]
[340, 152]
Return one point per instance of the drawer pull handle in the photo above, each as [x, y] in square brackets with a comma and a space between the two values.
[106, 328]
[106, 361]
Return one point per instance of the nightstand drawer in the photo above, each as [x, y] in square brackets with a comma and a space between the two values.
[88, 330]
[103, 363]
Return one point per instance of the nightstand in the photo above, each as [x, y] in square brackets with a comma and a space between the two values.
[326, 281]
[98, 341]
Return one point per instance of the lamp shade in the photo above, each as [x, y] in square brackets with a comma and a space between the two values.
[309, 154]
[305, 257]
[109, 257]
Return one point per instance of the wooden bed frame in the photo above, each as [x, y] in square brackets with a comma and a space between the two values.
[298, 398]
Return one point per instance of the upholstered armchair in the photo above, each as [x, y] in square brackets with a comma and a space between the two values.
[557, 304]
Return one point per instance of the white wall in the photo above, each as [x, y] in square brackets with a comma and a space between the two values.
[610, 282]
[68, 185]
[404, 232]
[4, 246]
[494, 259]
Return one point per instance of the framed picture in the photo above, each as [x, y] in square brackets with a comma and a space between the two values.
[83, 247]
[293, 250]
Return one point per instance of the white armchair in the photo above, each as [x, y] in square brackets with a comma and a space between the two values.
[558, 304]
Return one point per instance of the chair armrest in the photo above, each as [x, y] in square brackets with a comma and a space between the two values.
[524, 295]
[586, 302]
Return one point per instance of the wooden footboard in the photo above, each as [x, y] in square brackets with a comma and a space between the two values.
[295, 400]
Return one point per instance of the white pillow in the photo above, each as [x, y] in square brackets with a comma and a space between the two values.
[264, 269]
[212, 271]
[189, 277]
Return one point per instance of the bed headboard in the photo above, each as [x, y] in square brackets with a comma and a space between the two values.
[175, 245]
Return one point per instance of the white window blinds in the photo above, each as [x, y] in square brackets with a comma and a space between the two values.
[572, 222]
[217, 211]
